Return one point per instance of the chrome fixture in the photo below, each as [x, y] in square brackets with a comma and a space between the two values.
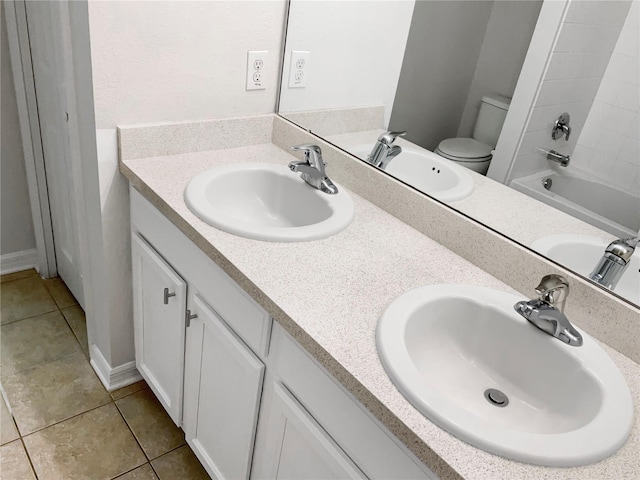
[561, 127]
[557, 157]
[547, 183]
[547, 311]
[614, 261]
[312, 168]
[384, 150]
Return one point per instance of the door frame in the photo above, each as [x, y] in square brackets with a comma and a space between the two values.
[20, 54]
[84, 180]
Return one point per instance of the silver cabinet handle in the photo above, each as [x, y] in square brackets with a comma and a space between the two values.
[188, 317]
[167, 295]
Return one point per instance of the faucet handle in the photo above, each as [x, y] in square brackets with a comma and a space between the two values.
[307, 147]
[389, 137]
[554, 290]
[312, 155]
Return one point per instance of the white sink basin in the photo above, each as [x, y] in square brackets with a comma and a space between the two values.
[581, 254]
[267, 202]
[444, 346]
[428, 172]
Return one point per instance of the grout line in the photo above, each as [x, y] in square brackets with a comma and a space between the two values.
[65, 419]
[135, 437]
[33, 316]
[24, 446]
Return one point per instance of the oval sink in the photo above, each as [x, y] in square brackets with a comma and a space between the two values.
[428, 172]
[266, 202]
[581, 254]
[468, 362]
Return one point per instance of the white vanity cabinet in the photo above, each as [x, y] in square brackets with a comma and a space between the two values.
[160, 298]
[252, 406]
[223, 385]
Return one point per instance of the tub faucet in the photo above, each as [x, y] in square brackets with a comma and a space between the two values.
[384, 150]
[547, 311]
[614, 261]
[312, 168]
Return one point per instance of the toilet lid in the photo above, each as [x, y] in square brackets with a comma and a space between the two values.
[465, 148]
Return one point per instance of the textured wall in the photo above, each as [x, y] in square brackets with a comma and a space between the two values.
[181, 60]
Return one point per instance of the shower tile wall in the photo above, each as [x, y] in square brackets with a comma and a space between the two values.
[608, 146]
[579, 60]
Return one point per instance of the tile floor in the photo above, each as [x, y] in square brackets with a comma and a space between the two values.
[62, 424]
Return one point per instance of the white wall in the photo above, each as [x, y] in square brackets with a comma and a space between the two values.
[166, 61]
[181, 60]
[608, 145]
[16, 228]
[439, 63]
[356, 53]
[503, 51]
[587, 37]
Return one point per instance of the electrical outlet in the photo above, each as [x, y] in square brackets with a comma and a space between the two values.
[256, 62]
[299, 68]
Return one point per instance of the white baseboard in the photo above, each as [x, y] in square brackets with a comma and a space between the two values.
[113, 377]
[18, 261]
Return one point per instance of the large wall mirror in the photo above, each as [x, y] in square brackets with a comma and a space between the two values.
[464, 101]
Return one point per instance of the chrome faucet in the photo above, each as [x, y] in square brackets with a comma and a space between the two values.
[384, 151]
[547, 311]
[614, 261]
[312, 168]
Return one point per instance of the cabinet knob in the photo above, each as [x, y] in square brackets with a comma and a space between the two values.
[167, 295]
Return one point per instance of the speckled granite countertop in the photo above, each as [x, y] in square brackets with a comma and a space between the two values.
[355, 274]
[495, 204]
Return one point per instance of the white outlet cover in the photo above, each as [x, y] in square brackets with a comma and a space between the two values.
[256, 65]
[299, 68]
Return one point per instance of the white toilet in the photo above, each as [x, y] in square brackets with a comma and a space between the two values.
[475, 153]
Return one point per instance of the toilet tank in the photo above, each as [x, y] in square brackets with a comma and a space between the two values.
[493, 111]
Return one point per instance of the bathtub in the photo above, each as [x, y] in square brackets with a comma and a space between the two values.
[602, 206]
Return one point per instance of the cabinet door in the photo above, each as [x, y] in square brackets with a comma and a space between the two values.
[296, 447]
[159, 306]
[223, 386]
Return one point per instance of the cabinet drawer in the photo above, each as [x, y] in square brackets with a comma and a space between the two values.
[247, 319]
[376, 452]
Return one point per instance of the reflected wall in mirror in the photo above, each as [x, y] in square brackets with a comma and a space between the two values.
[477, 86]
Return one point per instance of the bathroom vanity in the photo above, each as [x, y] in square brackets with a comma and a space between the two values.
[264, 352]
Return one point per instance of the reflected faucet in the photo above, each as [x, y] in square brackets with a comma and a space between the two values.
[312, 168]
[547, 311]
[384, 151]
[614, 262]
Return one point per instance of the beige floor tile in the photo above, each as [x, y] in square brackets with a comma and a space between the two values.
[153, 428]
[180, 463]
[34, 341]
[25, 298]
[8, 430]
[75, 318]
[95, 445]
[129, 389]
[10, 277]
[55, 391]
[60, 293]
[14, 464]
[145, 472]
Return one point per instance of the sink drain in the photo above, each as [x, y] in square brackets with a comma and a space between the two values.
[496, 397]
